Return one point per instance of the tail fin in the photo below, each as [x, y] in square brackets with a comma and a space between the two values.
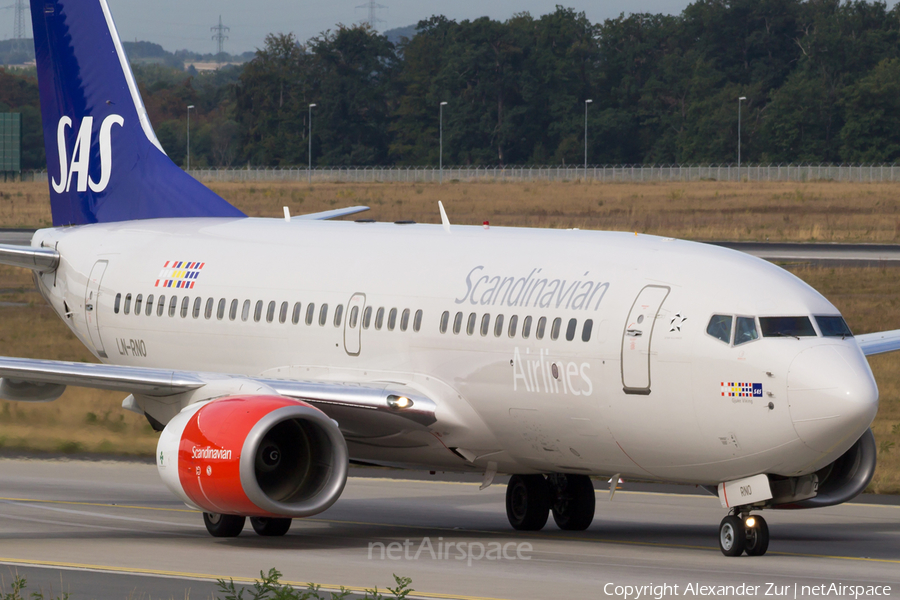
[104, 161]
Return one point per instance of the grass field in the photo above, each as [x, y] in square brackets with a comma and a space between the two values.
[92, 421]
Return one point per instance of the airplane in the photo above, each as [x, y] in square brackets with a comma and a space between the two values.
[270, 353]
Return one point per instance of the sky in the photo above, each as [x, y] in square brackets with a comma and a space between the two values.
[185, 24]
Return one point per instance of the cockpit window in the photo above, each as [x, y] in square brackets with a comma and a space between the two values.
[745, 330]
[786, 327]
[720, 328]
[833, 327]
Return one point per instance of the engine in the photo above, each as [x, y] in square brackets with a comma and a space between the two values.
[842, 480]
[256, 456]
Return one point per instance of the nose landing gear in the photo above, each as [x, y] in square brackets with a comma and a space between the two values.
[743, 532]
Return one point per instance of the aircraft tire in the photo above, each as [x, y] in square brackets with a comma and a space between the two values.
[223, 525]
[732, 536]
[757, 538]
[270, 527]
[527, 502]
[574, 502]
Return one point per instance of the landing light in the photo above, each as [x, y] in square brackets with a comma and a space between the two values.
[399, 402]
[750, 522]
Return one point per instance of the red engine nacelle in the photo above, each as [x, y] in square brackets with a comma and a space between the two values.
[256, 456]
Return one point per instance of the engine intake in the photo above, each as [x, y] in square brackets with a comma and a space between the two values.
[259, 456]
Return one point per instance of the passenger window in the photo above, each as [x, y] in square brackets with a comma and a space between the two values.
[526, 327]
[257, 311]
[310, 312]
[720, 327]
[367, 317]
[117, 303]
[404, 320]
[127, 304]
[513, 322]
[173, 305]
[354, 317]
[417, 321]
[485, 324]
[323, 315]
[245, 310]
[379, 318]
[232, 312]
[745, 330]
[338, 314]
[470, 326]
[282, 314]
[149, 309]
[541, 328]
[161, 306]
[198, 305]
[457, 323]
[220, 311]
[186, 306]
[270, 311]
[586, 332]
[570, 329]
[137, 304]
[445, 321]
[392, 319]
[498, 326]
[554, 330]
[210, 305]
[295, 316]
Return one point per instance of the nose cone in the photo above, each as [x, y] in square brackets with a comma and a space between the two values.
[832, 396]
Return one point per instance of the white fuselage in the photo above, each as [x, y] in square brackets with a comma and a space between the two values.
[643, 397]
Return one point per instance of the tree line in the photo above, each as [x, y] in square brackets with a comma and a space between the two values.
[821, 80]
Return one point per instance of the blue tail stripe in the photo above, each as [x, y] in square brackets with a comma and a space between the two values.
[104, 161]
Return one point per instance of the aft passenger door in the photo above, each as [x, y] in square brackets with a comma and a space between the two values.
[637, 338]
[355, 309]
[92, 305]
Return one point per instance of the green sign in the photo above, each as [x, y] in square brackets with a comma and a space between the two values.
[10, 142]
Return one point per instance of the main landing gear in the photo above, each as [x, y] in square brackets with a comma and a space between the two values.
[231, 525]
[742, 532]
[531, 498]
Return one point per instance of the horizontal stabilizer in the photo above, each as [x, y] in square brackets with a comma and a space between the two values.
[879, 342]
[333, 214]
[38, 259]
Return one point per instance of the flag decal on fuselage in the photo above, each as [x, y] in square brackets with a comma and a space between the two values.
[742, 390]
[179, 274]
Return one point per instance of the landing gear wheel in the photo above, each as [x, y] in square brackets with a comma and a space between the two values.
[527, 502]
[732, 536]
[223, 525]
[757, 537]
[574, 502]
[266, 526]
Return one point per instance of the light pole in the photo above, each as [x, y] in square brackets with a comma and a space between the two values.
[741, 99]
[586, 102]
[441, 152]
[309, 168]
[190, 106]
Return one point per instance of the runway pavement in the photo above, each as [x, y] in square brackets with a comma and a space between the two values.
[112, 530]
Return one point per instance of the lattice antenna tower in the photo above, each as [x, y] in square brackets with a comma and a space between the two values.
[20, 28]
[219, 35]
[372, 17]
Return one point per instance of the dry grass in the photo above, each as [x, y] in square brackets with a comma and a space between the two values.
[91, 421]
[708, 210]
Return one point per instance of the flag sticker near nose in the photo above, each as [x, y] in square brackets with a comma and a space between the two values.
[742, 390]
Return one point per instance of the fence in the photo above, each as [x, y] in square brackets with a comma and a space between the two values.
[601, 174]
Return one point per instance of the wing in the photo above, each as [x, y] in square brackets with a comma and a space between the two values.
[360, 410]
[880, 342]
[332, 214]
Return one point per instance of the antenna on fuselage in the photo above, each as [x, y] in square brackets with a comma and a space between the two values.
[444, 220]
